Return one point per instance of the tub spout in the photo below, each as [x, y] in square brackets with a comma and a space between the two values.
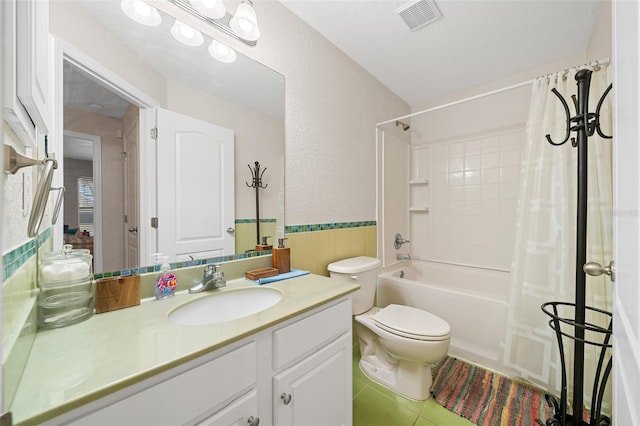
[403, 256]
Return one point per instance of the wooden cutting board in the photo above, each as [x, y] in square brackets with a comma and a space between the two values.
[117, 293]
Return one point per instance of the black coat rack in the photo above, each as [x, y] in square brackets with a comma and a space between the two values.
[256, 182]
[585, 124]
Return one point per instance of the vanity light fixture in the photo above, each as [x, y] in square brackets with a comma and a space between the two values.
[242, 25]
[222, 52]
[186, 35]
[141, 12]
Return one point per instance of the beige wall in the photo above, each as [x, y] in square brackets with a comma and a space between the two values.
[313, 251]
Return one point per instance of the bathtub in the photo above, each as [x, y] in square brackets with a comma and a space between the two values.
[471, 300]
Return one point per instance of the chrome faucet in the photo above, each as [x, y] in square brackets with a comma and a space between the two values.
[211, 279]
[399, 241]
[403, 256]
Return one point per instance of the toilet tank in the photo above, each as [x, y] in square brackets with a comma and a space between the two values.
[362, 270]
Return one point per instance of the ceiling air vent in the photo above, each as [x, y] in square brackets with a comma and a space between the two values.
[418, 13]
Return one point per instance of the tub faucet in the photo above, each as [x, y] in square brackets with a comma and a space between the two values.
[399, 241]
[211, 279]
[403, 256]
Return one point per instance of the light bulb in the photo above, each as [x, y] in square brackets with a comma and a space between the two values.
[141, 12]
[245, 23]
[142, 8]
[222, 52]
[186, 35]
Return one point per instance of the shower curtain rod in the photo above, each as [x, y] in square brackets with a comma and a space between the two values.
[485, 94]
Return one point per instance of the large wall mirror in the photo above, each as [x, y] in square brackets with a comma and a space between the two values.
[118, 178]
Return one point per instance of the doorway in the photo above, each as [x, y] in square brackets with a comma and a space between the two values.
[100, 170]
[82, 215]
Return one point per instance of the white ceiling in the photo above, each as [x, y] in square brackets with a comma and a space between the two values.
[475, 42]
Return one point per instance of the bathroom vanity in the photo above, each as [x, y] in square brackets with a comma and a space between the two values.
[289, 364]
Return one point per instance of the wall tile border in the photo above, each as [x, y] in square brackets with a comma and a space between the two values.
[291, 229]
[13, 260]
[254, 221]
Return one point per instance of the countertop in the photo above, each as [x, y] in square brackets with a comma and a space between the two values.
[75, 365]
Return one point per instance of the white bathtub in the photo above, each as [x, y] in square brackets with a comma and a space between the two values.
[471, 300]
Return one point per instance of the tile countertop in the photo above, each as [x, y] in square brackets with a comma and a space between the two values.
[72, 366]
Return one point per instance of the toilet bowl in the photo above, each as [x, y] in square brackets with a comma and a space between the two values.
[398, 344]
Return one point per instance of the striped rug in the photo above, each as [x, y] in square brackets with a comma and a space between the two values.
[486, 398]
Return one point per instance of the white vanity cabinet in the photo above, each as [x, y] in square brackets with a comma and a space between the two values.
[317, 390]
[27, 67]
[312, 360]
[307, 357]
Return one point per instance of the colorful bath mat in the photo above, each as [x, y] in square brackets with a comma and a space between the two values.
[486, 398]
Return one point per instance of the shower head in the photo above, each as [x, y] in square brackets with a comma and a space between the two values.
[405, 126]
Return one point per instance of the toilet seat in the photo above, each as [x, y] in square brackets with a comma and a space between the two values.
[412, 323]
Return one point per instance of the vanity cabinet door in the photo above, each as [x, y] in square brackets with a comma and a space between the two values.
[318, 389]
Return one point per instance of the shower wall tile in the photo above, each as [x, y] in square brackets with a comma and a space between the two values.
[472, 198]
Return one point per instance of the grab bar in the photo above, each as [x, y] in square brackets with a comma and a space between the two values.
[56, 209]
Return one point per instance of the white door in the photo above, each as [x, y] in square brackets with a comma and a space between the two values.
[626, 308]
[195, 187]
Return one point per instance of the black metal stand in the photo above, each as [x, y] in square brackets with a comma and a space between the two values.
[256, 182]
[585, 125]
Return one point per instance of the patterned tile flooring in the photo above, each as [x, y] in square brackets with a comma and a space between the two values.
[375, 405]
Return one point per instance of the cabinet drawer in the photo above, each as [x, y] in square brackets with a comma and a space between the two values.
[237, 413]
[186, 397]
[300, 338]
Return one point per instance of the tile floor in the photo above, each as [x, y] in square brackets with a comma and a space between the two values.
[375, 405]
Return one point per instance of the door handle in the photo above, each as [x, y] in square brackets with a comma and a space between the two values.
[595, 269]
[133, 229]
[230, 231]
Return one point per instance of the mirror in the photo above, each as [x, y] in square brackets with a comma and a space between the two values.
[244, 96]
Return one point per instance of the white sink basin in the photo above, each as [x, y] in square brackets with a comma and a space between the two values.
[225, 306]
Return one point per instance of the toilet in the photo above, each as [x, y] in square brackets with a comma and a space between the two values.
[398, 344]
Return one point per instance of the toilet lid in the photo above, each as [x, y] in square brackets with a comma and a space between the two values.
[411, 322]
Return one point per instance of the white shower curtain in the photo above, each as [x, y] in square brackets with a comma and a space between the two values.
[544, 265]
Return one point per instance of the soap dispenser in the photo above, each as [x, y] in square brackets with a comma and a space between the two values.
[281, 257]
[265, 245]
[165, 281]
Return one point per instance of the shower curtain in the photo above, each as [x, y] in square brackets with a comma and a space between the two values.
[544, 265]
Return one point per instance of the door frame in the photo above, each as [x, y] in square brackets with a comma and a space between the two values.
[97, 201]
[146, 172]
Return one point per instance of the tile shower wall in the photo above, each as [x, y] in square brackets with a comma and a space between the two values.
[472, 196]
